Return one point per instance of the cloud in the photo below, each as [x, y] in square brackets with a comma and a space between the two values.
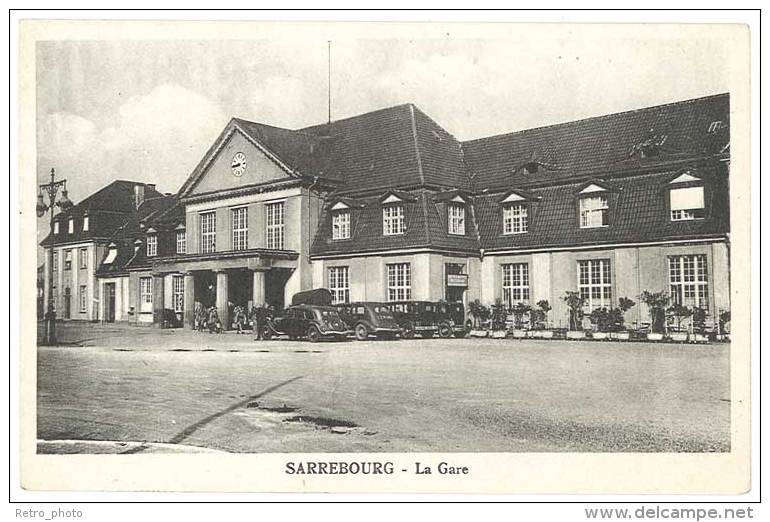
[285, 101]
[157, 137]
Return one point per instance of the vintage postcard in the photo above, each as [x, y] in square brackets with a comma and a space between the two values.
[385, 257]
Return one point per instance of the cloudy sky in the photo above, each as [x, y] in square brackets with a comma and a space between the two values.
[148, 110]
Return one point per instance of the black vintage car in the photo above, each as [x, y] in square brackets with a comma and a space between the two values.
[415, 317]
[369, 318]
[452, 320]
[308, 321]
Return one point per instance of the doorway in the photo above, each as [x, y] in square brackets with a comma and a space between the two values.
[275, 282]
[109, 302]
[205, 291]
[456, 282]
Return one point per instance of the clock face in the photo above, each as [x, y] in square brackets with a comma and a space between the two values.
[238, 164]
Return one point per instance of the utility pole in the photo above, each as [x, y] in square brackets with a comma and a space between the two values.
[64, 204]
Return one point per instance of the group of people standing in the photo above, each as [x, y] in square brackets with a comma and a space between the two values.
[208, 318]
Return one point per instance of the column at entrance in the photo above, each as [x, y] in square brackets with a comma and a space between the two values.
[258, 288]
[189, 299]
[222, 299]
[157, 299]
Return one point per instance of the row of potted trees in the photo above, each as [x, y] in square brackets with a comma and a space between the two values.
[523, 320]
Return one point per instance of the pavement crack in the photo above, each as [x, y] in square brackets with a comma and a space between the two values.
[185, 433]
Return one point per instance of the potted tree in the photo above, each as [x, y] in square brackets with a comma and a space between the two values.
[541, 318]
[680, 313]
[724, 325]
[498, 316]
[618, 319]
[656, 304]
[699, 325]
[519, 312]
[575, 303]
[480, 314]
[600, 318]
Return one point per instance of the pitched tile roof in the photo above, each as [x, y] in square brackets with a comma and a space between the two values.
[638, 213]
[683, 130]
[107, 209]
[425, 227]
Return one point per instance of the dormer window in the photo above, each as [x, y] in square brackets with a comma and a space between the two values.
[55, 227]
[112, 253]
[85, 223]
[393, 222]
[152, 245]
[594, 211]
[340, 221]
[71, 226]
[515, 214]
[594, 206]
[456, 216]
[686, 199]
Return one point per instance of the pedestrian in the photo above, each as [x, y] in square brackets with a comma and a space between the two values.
[214, 324]
[259, 316]
[239, 318]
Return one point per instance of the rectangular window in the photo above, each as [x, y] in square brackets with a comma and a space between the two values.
[275, 225]
[208, 228]
[688, 279]
[55, 261]
[181, 242]
[341, 225]
[594, 212]
[83, 298]
[71, 226]
[152, 245]
[178, 293]
[56, 227]
[339, 284]
[399, 282]
[515, 219]
[145, 294]
[239, 220]
[85, 223]
[595, 283]
[515, 283]
[83, 261]
[687, 203]
[67, 259]
[393, 220]
[456, 219]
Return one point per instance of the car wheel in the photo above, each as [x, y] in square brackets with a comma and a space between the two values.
[313, 335]
[444, 331]
[407, 332]
[362, 332]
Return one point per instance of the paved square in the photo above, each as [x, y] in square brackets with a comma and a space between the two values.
[227, 392]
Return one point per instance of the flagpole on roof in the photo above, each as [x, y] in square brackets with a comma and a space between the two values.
[329, 78]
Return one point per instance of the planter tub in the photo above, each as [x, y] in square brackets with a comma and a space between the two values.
[547, 334]
[678, 337]
[519, 334]
[654, 336]
[700, 338]
[479, 333]
[576, 335]
[498, 334]
[622, 336]
[600, 336]
[536, 334]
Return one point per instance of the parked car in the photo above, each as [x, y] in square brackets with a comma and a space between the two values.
[369, 318]
[415, 317]
[308, 321]
[452, 320]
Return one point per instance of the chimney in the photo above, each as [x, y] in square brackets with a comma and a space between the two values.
[151, 185]
[138, 195]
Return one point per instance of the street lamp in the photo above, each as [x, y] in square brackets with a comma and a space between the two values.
[64, 203]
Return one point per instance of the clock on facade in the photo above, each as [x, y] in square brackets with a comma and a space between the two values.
[238, 164]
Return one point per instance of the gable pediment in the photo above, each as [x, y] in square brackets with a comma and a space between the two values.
[593, 188]
[340, 206]
[235, 161]
[685, 177]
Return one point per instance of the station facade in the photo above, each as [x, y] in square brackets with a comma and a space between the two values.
[389, 206]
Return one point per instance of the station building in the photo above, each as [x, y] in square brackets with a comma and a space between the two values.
[388, 206]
